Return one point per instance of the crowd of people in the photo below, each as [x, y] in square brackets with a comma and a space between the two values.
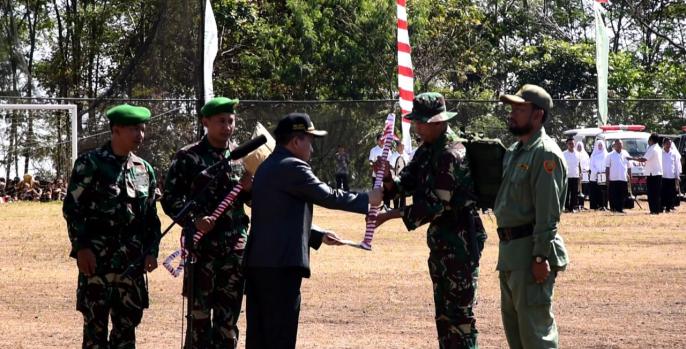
[29, 188]
[604, 177]
[115, 230]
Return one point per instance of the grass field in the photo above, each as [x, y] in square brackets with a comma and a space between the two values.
[625, 286]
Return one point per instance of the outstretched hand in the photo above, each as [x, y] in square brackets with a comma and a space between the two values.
[382, 217]
[331, 238]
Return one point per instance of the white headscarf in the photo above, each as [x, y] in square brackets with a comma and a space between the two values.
[598, 157]
[583, 156]
[674, 151]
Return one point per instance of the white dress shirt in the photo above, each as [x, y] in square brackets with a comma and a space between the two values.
[394, 159]
[375, 152]
[618, 164]
[653, 158]
[572, 159]
[669, 165]
[678, 160]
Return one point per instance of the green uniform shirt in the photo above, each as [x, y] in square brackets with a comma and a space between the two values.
[230, 231]
[110, 208]
[439, 180]
[532, 192]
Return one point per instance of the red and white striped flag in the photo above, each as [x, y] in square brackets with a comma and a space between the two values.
[405, 73]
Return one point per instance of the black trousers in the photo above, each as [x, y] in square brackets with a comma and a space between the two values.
[668, 193]
[342, 181]
[272, 307]
[572, 199]
[583, 194]
[654, 191]
[617, 191]
[597, 196]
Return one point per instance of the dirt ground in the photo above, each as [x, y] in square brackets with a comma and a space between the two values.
[625, 286]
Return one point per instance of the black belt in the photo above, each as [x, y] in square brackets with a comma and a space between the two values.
[508, 234]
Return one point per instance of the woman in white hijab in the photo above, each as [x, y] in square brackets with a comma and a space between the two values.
[598, 182]
[585, 165]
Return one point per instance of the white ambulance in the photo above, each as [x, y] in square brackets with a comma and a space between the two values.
[634, 141]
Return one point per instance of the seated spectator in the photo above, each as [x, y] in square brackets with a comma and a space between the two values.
[12, 189]
[59, 190]
[46, 195]
[3, 195]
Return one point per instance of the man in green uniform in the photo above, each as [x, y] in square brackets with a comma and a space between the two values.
[438, 179]
[218, 280]
[527, 210]
[112, 220]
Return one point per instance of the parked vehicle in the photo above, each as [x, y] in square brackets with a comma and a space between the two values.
[635, 143]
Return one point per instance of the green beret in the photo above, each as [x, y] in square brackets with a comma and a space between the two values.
[218, 105]
[126, 114]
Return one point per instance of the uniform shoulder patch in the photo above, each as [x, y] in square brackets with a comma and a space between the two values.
[549, 166]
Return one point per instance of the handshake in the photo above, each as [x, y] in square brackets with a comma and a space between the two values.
[376, 195]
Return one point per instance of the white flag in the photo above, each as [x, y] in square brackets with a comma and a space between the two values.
[602, 46]
[211, 46]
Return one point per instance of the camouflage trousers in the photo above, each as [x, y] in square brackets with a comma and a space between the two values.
[454, 284]
[111, 295]
[218, 285]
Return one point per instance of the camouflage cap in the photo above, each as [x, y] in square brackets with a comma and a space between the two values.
[126, 114]
[218, 105]
[429, 107]
[530, 94]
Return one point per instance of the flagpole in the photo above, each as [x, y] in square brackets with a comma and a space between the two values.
[405, 72]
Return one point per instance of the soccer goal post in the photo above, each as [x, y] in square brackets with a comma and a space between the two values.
[71, 108]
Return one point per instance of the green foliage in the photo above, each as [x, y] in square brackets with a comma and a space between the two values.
[339, 50]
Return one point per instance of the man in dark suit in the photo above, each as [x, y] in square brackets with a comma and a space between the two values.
[277, 254]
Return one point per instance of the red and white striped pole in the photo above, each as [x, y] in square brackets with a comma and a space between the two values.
[405, 73]
[406, 95]
[378, 182]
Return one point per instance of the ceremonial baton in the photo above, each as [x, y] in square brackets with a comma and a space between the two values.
[366, 244]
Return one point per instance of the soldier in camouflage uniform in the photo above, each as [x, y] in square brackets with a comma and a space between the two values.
[218, 280]
[112, 220]
[439, 181]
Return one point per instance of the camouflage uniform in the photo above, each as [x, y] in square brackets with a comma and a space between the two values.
[218, 277]
[439, 180]
[110, 208]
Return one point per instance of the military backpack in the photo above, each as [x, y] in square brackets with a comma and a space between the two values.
[485, 157]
